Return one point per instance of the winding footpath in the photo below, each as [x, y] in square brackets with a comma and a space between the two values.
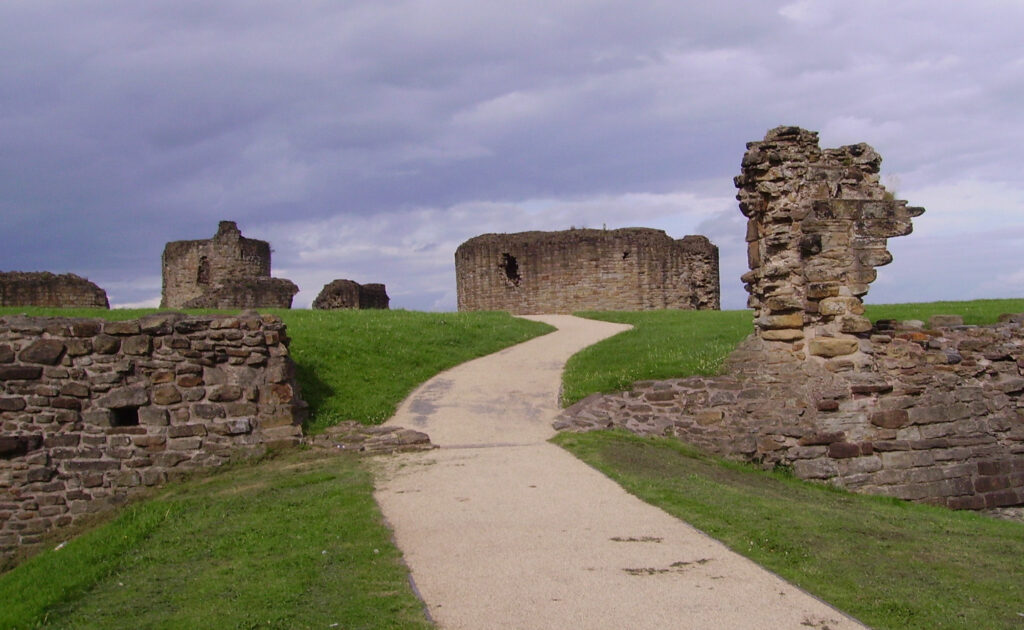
[502, 529]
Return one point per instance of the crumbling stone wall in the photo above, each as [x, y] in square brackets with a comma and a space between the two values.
[932, 415]
[93, 410]
[228, 271]
[349, 294]
[817, 226]
[562, 272]
[42, 288]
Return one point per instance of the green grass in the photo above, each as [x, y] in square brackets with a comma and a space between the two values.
[358, 365]
[888, 563]
[976, 312]
[676, 344]
[662, 344]
[295, 542]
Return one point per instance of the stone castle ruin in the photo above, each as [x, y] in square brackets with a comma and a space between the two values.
[228, 271]
[42, 288]
[349, 294]
[934, 415]
[586, 269]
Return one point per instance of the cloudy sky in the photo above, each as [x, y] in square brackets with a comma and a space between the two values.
[367, 139]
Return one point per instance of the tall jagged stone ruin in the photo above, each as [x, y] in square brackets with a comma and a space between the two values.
[817, 226]
[42, 288]
[933, 415]
[586, 269]
[228, 271]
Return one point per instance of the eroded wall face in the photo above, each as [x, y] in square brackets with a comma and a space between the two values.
[18, 288]
[562, 272]
[817, 226]
[227, 271]
[91, 411]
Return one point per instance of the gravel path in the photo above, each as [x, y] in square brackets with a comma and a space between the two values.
[502, 529]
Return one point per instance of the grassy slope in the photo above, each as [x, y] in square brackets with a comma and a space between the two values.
[890, 564]
[662, 344]
[358, 365]
[296, 542]
[674, 344]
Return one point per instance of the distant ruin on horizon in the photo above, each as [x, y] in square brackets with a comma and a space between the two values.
[228, 271]
[586, 269]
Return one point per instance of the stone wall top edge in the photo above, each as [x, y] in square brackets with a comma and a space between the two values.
[170, 316]
[176, 247]
[35, 276]
[574, 235]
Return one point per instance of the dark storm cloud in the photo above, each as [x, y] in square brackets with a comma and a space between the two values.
[367, 139]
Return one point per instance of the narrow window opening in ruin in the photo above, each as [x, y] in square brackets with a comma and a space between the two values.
[203, 274]
[625, 255]
[126, 416]
[511, 268]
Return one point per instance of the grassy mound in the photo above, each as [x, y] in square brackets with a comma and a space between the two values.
[294, 542]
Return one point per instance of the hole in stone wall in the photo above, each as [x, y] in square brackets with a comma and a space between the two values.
[125, 416]
[625, 255]
[510, 266]
[203, 273]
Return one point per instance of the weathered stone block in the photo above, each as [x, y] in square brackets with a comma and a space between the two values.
[131, 396]
[832, 346]
[20, 372]
[891, 419]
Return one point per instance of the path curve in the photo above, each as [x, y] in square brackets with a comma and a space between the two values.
[502, 529]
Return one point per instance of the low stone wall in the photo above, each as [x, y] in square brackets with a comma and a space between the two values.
[94, 410]
[42, 288]
[939, 419]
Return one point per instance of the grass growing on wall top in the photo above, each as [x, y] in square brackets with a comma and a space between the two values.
[889, 563]
[294, 542]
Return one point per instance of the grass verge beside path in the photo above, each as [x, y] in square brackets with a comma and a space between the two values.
[663, 344]
[295, 542]
[359, 365]
[889, 563]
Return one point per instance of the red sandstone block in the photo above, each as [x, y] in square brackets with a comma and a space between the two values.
[989, 484]
[822, 438]
[842, 450]
[1001, 498]
[971, 502]
[995, 468]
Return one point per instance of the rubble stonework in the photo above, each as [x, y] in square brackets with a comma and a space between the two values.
[586, 269]
[42, 288]
[91, 411]
[228, 271]
[932, 415]
[817, 226]
[349, 294]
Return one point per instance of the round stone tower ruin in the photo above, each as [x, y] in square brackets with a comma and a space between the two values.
[586, 269]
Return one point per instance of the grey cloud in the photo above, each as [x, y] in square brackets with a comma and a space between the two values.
[124, 125]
